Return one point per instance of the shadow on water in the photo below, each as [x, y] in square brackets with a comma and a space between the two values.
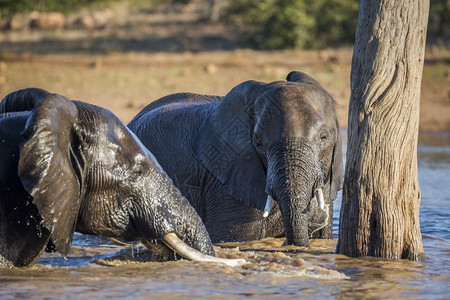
[98, 268]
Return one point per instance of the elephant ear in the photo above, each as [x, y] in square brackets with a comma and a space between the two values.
[22, 100]
[296, 76]
[337, 169]
[45, 167]
[223, 145]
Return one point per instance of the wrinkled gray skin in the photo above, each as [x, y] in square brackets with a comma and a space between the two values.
[68, 165]
[227, 154]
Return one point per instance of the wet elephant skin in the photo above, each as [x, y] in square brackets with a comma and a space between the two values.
[70, 166]
[228, 154]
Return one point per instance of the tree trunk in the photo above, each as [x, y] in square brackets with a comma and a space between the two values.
[381, 196]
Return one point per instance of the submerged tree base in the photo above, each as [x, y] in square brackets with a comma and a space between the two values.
[381, 196]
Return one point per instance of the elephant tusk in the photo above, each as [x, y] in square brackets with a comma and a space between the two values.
[318, 194]
[268, 207]
[180, 247]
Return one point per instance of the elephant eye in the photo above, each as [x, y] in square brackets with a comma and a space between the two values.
[323, 136]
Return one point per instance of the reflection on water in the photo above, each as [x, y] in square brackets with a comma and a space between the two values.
[434, 178]
[98, 268]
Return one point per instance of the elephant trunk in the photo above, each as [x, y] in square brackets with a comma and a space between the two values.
[187, 235]
[174, 214]
[161, 209]
[295, 178]
[191, 229]
[190, 239]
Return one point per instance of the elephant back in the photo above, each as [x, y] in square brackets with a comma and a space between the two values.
[178, 99]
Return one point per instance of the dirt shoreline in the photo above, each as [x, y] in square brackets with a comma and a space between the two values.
[144, 54]
[125, 83]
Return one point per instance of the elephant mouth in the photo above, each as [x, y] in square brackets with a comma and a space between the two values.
[318, 196]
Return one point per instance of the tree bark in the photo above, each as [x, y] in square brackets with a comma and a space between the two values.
[381, 196]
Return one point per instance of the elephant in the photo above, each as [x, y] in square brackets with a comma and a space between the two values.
[71, 166]
[250, 162]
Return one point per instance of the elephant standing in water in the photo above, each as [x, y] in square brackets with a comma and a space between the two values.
[250, 162]
[68, 165]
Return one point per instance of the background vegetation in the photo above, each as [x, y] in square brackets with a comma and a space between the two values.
[268, 24]
[9, 7]
[278, 24]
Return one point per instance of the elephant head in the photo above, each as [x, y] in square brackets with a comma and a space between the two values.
[75, 166]
[278, 141]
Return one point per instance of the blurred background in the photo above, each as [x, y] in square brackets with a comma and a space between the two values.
[123, 54]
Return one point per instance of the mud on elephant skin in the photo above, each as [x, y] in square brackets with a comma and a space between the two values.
[251, 162]
[70, 166]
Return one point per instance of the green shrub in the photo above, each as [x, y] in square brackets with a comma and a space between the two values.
[272, 24]
[277, 24]
[335, 21]
[439, 21]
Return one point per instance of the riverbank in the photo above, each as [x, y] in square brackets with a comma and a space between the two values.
[138, 55]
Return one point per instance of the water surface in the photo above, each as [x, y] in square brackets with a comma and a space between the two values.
[99, 268]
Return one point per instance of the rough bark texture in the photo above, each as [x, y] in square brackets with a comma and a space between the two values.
[381, 196]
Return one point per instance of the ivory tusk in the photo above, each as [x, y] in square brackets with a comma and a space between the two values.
[268, 207]
[318, 194]
[183, 249]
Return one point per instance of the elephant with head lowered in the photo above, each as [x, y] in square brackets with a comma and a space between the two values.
[71, 166]
[251, 162]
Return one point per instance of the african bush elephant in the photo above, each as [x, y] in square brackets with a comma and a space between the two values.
[68, 165]
[250, 162]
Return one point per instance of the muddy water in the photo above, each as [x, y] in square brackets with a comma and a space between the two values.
[99, 268]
